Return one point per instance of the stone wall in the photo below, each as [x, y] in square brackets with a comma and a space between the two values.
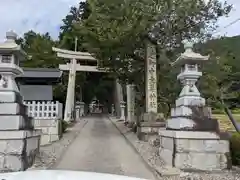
[18, 150]
[194, 150]
[51, 130]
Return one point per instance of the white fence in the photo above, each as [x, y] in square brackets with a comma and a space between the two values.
[44, 109]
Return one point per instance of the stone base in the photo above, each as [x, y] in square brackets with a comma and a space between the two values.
[193, 118]
[190, 101]
[51, 130]
[149, 125]
[194, 150]
[18, 149]
[15, 122]
[10, 96]
[13, 109]
[148, 129]
[152, 117]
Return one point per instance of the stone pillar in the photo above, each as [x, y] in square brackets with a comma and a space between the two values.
[70, 99]
[82, 109]
[81, 104]
[77, 111]
[122, 106]
[19, 141]
[150, 121]
[113, 110]
[151, 79]
[192, 140]
[118, 97]
[130, 104]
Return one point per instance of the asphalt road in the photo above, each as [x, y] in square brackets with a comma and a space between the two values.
[101, 148]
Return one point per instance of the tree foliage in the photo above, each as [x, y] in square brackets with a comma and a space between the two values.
[39, 49]
[91, 84]
[116, 33]
[220, 82]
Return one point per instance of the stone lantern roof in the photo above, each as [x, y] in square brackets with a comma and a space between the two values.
[189, 57]
[11, 47]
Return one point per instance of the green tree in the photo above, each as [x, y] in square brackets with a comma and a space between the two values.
[116, 32]
[39, 49]
[222, 72]
[89, 82]
[67, 30]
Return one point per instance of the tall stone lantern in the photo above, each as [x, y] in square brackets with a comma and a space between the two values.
[190, 64]
[19, 141]
[189, 142]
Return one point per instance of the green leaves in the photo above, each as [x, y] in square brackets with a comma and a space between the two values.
[39, 48]
[115, 33]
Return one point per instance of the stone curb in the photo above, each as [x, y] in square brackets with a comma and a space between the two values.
[145, 161]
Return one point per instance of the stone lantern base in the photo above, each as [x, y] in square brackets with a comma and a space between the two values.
[149, 125]
[18, 149]
[19, 142]
[194, 150]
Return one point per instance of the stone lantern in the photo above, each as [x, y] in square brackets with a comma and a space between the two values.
[20, 143]
[190, 64]
[188, 143]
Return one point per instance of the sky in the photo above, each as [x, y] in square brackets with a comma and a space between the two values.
[46, 16]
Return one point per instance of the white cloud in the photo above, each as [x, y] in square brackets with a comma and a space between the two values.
[38, 15]
[46, 16]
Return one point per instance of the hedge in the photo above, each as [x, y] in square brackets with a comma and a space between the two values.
[235, 148]
[221, 111]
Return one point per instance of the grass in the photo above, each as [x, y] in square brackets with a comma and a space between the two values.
[225, 123]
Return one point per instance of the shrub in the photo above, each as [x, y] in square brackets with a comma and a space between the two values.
[235, 148]
[236, 111]
[218, 111]
[64, 126]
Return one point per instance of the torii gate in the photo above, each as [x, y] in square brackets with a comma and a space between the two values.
[72, 67]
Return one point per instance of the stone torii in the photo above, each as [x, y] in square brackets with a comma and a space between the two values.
[73, 67]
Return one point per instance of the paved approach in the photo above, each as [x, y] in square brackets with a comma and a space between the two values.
[101, 148]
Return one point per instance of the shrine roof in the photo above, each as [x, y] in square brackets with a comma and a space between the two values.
[42, 73]
[40, 76]
[189, 56]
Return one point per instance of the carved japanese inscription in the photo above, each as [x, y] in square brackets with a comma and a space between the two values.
[151, 79]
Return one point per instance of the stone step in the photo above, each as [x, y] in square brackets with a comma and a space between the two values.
[10, 97]
[15, 122]
[12, 109]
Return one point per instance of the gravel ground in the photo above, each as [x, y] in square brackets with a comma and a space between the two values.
[52, 153]
[149, 154]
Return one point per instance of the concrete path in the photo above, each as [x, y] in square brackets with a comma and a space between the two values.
[101, 148]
